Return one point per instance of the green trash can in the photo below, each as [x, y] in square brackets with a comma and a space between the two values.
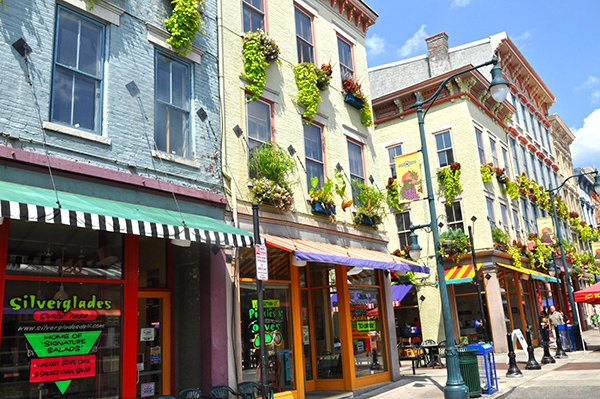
[469, 370]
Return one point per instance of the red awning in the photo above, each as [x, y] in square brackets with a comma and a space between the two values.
[314, 251]
[590, 294]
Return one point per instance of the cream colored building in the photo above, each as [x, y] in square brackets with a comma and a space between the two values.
[324, 337]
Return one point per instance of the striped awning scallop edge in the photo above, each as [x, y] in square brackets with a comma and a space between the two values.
[533, 273]
[314, 251]
[36, 204]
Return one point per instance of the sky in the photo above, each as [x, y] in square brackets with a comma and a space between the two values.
[559, 38]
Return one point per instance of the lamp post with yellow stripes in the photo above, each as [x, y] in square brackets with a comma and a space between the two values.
[455, 386]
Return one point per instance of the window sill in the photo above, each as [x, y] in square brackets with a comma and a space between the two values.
[175, 158]
[159, 37]
[102, 9]
[268, 93]
[71, 131]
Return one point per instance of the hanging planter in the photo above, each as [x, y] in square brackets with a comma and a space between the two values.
[183, 24]
[353, 101]
[367, 220]
[259, 51]
[354, 96]
[308, 90]
[322, 208]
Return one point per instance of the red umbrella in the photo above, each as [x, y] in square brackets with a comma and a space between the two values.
[590, 294]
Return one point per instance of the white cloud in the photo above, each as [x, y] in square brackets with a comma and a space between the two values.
[414, 43]
[591, 81]
[460, 3]
[521, 40]
[595, 97]
[375, 44]
[586, 147]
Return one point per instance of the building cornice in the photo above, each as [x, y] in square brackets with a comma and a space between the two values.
[356, 12]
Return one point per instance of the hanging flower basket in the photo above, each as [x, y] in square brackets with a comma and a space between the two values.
[502, 179]
[322, 208]
[353, 101]
[367, 220]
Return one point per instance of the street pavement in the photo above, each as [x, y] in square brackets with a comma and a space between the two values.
[573, 377]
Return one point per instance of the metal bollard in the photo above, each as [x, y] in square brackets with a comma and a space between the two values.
[513, 370]
[532, 364]
[560, 353]
[547, 358]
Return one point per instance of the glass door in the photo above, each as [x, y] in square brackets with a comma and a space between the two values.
[153, 347]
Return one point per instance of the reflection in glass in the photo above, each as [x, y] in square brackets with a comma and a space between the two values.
[327, 333]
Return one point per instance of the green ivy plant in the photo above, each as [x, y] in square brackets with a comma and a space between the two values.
[512, 189]
[515, 252]
[258, 50]
[308, 91]
[487, 171]
[500, 237]
[349, 86]
[449, 179]
[184, 23]
[272, 162]
[393, 199]
[370, 203]
[454, 243]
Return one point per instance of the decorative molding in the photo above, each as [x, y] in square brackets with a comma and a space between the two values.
[343, 33]
[268, 93]
[465, 86]
[450, 88]
[507, 117]
[496, 107]
[354, 134]
[398, 103]
[483, 95]
[176, 159]
[159, 37]
[440, 129]
[308, 7]
[72, 131]
[101, 9]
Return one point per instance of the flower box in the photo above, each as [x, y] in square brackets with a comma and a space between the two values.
[502, 179]
[367, 220]
[353, 101]
[322, 208]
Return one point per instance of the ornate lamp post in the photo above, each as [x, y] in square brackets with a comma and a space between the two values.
[455, 386]
[574, 313]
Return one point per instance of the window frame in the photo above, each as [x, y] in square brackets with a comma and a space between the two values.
[353, 176]
[307, 159]
[445, 149]
[515, 156]
[100, 81]
[402, 235]
[299, 39]
[504, 215]
[271, 130]
[451, 206]
[189, 81]
[505, 159]
[480, 147]
[392, 163]
[494, 151]
[253, 9]
[490, 211]
[516, 224]
[343, 66]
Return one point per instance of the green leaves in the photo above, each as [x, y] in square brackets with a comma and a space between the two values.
[258, 50]
[308, 91]
[183, 24]
[450, 180]
[272, 162]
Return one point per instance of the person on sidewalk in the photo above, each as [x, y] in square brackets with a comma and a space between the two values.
[555, 319]
[545, 326]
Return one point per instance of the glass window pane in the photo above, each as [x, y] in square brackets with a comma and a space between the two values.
[322, 274]
[313, 145]
[253, 17]
[355, 160]
[327, 333]
[84, 102]
[68, 32]
[163, 78]
[180, 86]
[361, 276]
[259, 120]
[63, 93]
[89, 49]
[160, 120]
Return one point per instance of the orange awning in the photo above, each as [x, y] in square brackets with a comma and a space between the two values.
[460, 274]
[314, 251]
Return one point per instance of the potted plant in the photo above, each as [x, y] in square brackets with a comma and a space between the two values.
[322, 198]
[487, 171]
[259, 50]
[454, 243]
[354, 96]
[501, 175]
[449, 178]
[183, 24]
[369, 206]
[272, 166]
[324, 75]
[500, 239]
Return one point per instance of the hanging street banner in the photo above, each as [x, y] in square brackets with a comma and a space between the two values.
[546, 230]
[408, 172]
[596, 250]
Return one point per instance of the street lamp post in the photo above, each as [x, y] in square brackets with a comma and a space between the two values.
[455, 386]
[574, 313]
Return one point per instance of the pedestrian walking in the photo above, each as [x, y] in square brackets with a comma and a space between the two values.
[545, 326]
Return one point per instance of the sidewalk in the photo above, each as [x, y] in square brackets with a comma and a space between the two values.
[579, 370]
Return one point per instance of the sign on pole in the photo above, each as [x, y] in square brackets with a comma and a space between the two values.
[262, 267]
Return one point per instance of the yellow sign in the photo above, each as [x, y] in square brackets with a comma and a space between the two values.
[546, 230]
[408, 170]
[267, 303]
[596, 250]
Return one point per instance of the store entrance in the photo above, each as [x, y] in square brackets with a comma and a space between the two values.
[153, 344]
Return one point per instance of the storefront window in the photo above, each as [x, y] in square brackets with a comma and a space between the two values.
[328, 347]
[279, 264]
[526, 302]
[52, 250]
[468, 311]
[407, 318]
[278, 335]
[152, 263]
[367, 330]
[61, 339]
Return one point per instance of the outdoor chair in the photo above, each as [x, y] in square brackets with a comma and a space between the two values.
[441, 354]
[417, 358]
[223, 391]
[191, 393]
[250, 390]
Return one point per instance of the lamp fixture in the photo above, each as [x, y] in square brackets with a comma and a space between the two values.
[201, 114]
[61, 294]
[552, 270]
[297, 262]
[132, 88]
[181, 243]
[498, 85]
[238, 131]
[414, 250]
[597, 183]
[22, 47]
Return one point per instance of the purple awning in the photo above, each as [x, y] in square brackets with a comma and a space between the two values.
[399, 291]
